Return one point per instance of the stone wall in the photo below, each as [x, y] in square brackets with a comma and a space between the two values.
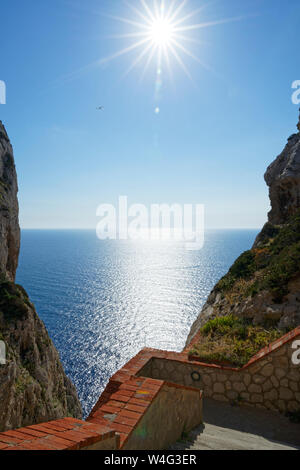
[174, 411]
[145, 412]
[111, 443]
[271, 382]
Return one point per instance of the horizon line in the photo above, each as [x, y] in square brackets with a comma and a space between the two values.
[94, 228]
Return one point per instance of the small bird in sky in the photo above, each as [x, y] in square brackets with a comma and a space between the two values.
[100, 108]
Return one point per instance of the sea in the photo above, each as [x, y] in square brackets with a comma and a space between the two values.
[102, 301]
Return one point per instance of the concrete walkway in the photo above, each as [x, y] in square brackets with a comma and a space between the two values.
[241, 428]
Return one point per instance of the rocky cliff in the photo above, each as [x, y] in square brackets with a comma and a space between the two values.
[9, 210]
[263, 285]
[33, 385]
[283, 179]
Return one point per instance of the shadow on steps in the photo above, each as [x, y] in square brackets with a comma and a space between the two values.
[241, 428]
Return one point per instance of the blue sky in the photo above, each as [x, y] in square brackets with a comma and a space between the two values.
[210, 143]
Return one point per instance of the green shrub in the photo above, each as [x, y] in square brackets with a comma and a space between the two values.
[281, 271]
[276, 262]
[12, 301]
[268, 232]
[243, 268]
[231, 339]
[218, 324]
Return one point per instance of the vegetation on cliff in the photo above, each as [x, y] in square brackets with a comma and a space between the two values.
[33, 386]
[232, 340]
[270, 266]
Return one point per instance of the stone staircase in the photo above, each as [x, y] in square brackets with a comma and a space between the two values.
[241, 428]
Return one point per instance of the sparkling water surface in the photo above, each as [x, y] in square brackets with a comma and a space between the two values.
[103, 301]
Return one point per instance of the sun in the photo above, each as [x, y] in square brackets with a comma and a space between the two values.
[161, 32]
[158, 29]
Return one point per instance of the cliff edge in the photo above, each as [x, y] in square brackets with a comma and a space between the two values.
[283, 179]
[263, 285]
[33, 385]
[9, 209]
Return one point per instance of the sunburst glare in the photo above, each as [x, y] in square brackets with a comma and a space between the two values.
[161, 32]
[162, 29]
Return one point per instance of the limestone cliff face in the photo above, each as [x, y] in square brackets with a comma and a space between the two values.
[9, 210]
[263, 285]
[33, 384]
[283, 179]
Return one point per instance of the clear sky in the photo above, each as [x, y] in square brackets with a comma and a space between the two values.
[211, 141]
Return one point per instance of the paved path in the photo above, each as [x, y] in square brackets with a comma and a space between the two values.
[241, 428]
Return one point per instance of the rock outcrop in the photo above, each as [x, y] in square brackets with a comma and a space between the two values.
[9, 209]
[263, 285]
[283, 179]
[33, 385]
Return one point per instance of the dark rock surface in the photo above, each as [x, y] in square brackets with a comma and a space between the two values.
[283, 179]
[9, 209]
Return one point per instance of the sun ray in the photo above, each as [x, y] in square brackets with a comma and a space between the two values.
[138, 60]
[163, 9]
[157, 10]
[161, 29]
[193, 13]
[170, 10]
[126, 20]
[167, 58]
[150, 57]
[208, 24]
[189, 39]
[187, 17]
[125, 51]
[180, 62]
[159, 56]
[190, 54]
[177, 11]
[129, 35]
[138, 12]
[148, 10]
